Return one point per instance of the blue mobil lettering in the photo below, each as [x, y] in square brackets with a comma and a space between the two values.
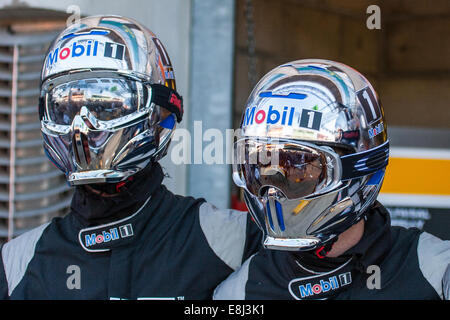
[271, 117]
[105, 236]
[308, 289]
[87, 48]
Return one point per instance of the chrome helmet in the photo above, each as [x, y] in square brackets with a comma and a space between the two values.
[311, 152]
[108, 103]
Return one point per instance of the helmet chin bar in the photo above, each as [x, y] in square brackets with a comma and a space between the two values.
[282, 228]
[303, 244]
[97, 176]
[305, 230]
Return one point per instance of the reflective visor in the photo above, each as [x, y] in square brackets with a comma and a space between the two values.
[105, 98]
[296, 170]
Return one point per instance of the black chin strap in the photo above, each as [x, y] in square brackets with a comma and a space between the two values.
[167, 98]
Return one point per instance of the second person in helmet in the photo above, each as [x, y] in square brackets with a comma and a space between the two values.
[311, 160]
[108, 110]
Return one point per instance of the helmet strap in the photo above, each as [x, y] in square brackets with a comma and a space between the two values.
[364, 163]
[168, 99]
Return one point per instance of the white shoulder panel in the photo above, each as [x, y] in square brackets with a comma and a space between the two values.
[434, 259]
[17, 254]
[233, 288]
[225, 231]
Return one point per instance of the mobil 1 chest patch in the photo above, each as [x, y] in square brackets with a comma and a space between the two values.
[105, 237]
[292, 110]
[322, 285]
[319, 287]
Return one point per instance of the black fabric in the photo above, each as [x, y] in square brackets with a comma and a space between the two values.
[376, 240]
[91, 208]
[285, 275]
[371, 249]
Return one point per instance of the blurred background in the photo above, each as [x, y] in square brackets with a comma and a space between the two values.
[219, 49]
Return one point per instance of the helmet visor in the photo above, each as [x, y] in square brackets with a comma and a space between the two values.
[105, 98]
[297, 170]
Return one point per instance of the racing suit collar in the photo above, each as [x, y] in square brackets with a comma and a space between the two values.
[115, 234]
[375, 242]
[369, 250]
[140, 204]
[90, 209]
[336, 274]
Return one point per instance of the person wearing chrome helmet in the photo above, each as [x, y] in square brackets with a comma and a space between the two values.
[108, 109]
[311, 158]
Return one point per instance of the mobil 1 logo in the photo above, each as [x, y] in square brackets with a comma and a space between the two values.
[319, 287]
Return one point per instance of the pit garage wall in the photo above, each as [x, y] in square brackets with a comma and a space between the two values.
[407, 61]
[417, 183]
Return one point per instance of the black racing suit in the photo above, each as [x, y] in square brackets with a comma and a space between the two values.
[387, 263]
[145, 243]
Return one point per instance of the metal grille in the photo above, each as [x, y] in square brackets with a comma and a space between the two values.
[32, 190]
